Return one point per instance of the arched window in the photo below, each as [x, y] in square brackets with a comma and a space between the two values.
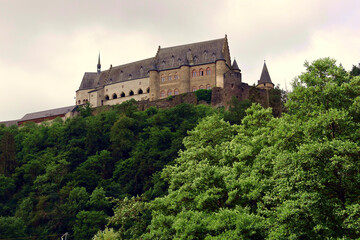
[148, 90]
[140, 91]
[169, 77]
[141, 71]
[201, 87]
[208, 71]
[201, 72]
[169, 93]
[176, 91]
[107, 97]
[193, 89]
[193, 73]
[162, 78]
[208, 87]
[114, 96]
[176, 76]
[130, 76]
[84, 101]
[122, 94]
[131, 93]
[79, 101]
[205, 56]
[162, 93]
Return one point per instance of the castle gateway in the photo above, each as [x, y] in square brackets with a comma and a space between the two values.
[173, 71]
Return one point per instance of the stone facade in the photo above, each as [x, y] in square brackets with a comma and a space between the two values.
[173, 71]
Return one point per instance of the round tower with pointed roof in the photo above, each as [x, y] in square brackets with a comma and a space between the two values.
[265, 80]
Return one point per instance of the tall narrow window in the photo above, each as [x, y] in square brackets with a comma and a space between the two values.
[208, 71]
[169, 77]
[162, 93]
[176, 92]
[193, 73]
[201, 72]
[169, 93]
[176, 76]
[162, 78]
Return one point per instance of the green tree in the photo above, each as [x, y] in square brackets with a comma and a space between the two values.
[8, 161]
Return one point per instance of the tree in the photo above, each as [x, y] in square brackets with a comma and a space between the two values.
[8, 161]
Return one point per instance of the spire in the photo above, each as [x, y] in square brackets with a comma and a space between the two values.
[99, 65]
[265, 76]
[235, 66]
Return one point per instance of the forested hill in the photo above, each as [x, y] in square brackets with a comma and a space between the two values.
[192, 172]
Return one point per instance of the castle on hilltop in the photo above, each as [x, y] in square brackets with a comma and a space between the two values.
[173, 71]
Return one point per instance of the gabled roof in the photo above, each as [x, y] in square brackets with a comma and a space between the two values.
[196, 53]
[48, 113]
[9, 123]
[265, 76]
[165, 58]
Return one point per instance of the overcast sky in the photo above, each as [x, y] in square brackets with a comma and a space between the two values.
[47, 45]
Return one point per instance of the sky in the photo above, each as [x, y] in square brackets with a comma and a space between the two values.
[46, 46]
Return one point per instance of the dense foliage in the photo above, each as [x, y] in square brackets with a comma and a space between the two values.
[192, 172]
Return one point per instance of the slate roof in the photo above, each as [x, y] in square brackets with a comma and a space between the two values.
[48, 113]
[235, 66]
[166, 58]
[9, 123]
[265, 76]
[194, 53]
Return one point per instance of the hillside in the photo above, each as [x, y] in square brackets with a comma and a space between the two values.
[192, 172]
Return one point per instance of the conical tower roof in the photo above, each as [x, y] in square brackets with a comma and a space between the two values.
[265, 76]
[235, 65]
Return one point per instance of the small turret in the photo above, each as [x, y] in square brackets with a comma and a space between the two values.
[265, 80]
[235, 66]
[99, 65]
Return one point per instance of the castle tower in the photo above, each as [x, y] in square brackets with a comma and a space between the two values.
[265, 80]
[185, 76]
[154, 82]
[99, 65]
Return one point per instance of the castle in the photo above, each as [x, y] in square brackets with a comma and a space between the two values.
[173, 71]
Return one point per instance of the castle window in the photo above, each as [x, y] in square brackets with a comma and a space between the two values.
[148, 90]
[162, 93]
[114, 96]
[213, 57]
[107, 97]
[193, 89]
[176, 76]
[122, 94]
[130, 76]
[84, 101]
[193, 73]
[169, 77]
[195, 59]
[131, 93]
[176, 92]
[208, 87]
[140, 91]
[169, 93]
[79, 101]
[162, 78]
[141, 71]
[201, 87]
[232, 85]
[205, 56]
[201, 72]
[208, 71]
